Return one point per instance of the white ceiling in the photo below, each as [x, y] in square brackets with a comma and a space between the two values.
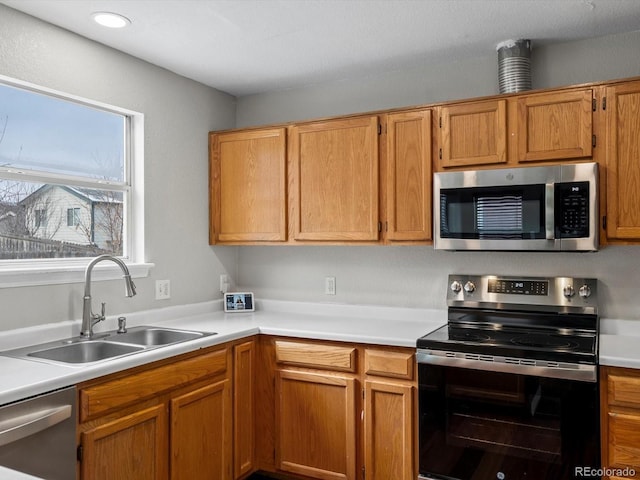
[251, 46]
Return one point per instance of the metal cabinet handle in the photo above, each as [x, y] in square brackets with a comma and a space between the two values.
[23, 426]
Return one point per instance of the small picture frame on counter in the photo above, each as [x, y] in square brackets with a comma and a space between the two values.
[238, 302]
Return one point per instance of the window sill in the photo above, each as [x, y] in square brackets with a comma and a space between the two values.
[27, 274]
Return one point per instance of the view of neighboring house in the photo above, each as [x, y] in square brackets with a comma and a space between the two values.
[74, 215]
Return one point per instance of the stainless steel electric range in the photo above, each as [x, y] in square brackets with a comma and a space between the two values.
[508, 388]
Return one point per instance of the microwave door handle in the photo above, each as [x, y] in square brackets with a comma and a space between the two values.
[550, 222]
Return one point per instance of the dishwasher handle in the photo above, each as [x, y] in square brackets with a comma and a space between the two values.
[29, 424]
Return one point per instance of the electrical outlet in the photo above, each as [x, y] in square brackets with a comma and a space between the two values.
[163, 289]
[329, 285]
[224, 283]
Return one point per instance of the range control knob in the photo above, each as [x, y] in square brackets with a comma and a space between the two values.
[568, 291]
[469, 287]
[585, 291]
[456, 286]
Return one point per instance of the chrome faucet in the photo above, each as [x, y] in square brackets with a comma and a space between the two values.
[89, 319]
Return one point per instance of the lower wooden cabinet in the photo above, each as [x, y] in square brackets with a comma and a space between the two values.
[200, 440]
[302, 409]
[134, 446]
[171, 420]
[342, 411]
[244, 424]
[620, 421]
[389, 415]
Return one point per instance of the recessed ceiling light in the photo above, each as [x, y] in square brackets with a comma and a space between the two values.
[111, 20]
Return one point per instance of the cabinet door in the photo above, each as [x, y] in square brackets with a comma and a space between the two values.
[473, 134]
[624, 441]
[134, 446]
[555, 126]
[201, 433]
[408, 172]
[316, 420]
[623, 167]
[334, 180]
[389, 431]
[243, 409]
[248, 186]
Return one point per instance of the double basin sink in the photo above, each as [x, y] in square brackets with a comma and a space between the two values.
[106, 346]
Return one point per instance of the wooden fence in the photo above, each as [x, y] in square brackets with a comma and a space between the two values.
[17, 247]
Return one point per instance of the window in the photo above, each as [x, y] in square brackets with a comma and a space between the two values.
[66, 176]
[73, 217]
[40, 218]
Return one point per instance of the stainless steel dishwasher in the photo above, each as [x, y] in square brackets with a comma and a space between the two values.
[38, 435]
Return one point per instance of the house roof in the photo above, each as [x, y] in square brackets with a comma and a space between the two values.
[86, 194]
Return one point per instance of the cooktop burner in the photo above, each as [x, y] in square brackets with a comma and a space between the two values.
[554, 342]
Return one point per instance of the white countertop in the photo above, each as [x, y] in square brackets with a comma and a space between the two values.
[20, 378]
[389, 326]
[620, 343]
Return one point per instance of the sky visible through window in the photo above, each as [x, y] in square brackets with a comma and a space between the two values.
[44, 133]
[55, 156]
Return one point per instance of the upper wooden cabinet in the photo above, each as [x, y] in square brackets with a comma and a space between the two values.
[555, 126]
[473, 133]
[623, 161]
[248, 186]
[524, 128]
[408, 176]
[334, 180]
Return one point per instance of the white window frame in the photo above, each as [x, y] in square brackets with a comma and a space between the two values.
[30, 272]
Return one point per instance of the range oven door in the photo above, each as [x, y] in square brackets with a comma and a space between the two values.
[483, 425]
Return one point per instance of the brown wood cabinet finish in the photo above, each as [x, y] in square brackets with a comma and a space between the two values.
[334, 180]
[316, 423]
[134, 446]
[389, 433]
[408, 176]
[473, 134]
[168, 420]
[313, 355]
[620, 418]
[555, 126]
[622, 165]
[244, 408]
[201, 433]
[248, 186]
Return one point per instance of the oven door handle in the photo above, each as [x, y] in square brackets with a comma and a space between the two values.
[566, 371]
[24, 426]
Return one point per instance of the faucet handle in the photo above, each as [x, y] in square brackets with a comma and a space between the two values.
[103, 311]
[122, 325]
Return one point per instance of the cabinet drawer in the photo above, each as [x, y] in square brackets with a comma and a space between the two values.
[102, 398]
[624, 390]
[389, 364]
[326, 357]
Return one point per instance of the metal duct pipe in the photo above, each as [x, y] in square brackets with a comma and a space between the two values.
[514, 65]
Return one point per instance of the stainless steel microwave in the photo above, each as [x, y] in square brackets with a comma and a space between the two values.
[551, 208]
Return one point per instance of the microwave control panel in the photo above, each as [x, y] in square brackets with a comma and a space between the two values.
[572, 209]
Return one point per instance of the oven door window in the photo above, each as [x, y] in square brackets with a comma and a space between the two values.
[514, 212]
[477, 425]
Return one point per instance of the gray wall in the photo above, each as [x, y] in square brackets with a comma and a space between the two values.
[178, 114]
[416, 276]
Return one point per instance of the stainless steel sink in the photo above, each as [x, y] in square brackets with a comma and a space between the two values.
[105, 346]
[85, 352]
[154, 336]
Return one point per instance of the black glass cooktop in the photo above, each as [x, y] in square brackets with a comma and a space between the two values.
[553, 338]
